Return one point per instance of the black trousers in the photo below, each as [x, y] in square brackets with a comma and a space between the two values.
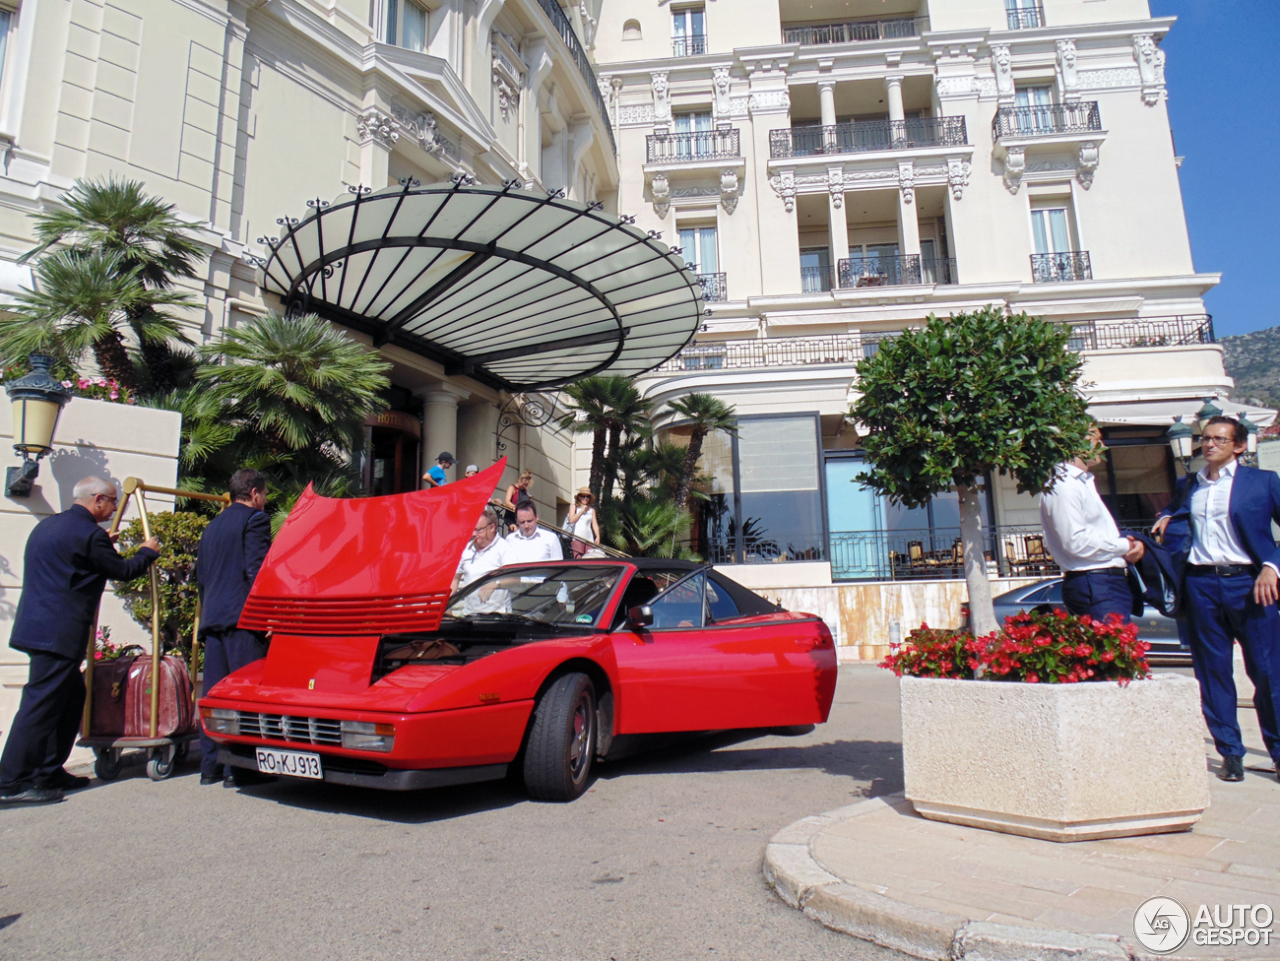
[225, 652]
[45, 727]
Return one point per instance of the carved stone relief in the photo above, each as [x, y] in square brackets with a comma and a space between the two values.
[425, 131]
[1002, 61]
[1087, 163]
[784, 185]
[729, 189]
[374, 126]
[661, 97]
[1150, 68]
[958, 170]
[770, 100]
[1015, 165]
[1105, 79]
[661, 195]
[835, 185]
[640, 113]
[907, 180]
[720, 85]
[1067, 69]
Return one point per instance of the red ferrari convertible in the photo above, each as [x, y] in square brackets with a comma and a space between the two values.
[377, 677]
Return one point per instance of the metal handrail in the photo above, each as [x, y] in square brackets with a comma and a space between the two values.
[1026, 17]
[859, 136]
[1061, 267]
[1044, 120]
[853, 31]
[565, 29]
[689, 46]
[936, 554]
[896, 271]
[715, 287]
[561, 532]
[692, 145]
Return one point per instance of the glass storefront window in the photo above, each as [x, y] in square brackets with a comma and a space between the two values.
[1136, 478]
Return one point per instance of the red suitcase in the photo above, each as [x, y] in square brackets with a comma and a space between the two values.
[176, 705]
[110, 683]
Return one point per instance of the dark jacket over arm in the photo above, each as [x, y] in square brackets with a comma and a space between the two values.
[232, 550]
[66, 566]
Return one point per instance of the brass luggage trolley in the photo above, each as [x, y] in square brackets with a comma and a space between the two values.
[161, 751]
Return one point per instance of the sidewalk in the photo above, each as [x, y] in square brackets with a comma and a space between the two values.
[880, 872]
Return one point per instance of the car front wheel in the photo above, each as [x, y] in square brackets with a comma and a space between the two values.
[557, 760]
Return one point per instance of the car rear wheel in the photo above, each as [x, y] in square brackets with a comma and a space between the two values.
[562, 740]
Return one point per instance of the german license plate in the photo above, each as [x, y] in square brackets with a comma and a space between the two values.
[289, 763]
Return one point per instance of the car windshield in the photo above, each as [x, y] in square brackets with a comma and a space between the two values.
[562, 595]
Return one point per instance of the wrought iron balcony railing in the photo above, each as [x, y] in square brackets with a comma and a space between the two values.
[854, 30]
[815, 280]
[1046, 119]
[760, 353]
[715, 287]
[1056, 268]
[865, 135]
[693, 145]
[1026, 17]
[563, 27]
[896, 271]
[936, 554]
[688, 46]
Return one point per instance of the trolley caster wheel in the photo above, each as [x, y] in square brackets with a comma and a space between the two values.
[107, 766]
[182, 750]
[159, 766]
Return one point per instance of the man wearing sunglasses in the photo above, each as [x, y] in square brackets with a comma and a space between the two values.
[1232, 583]
[65, 568]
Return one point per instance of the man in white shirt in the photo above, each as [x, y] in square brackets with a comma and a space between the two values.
[485, 552]
[1231, 587]
[1083, 538]
[530, 544]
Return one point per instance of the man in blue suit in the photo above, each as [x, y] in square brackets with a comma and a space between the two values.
[232, 549]
[65, 568]
[1231, 584]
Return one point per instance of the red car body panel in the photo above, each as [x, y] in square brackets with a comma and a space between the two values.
[342, 574]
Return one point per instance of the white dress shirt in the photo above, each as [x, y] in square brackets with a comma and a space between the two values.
[542, 546]
[1079, 531]
[475, 565]
[1213, 537]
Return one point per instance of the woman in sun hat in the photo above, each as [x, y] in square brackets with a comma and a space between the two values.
[583, 522]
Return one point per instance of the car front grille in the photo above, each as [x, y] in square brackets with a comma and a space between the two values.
[286, 727]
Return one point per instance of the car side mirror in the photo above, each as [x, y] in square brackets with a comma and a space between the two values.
[640, 616]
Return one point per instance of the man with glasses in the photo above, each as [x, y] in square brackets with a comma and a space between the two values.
[65, 568]
[1083, 538]
[1231, 585]
[486, 552]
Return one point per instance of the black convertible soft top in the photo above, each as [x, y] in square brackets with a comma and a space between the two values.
[749, 603]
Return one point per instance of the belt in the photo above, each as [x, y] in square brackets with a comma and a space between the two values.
[1222, 570]
[1105, 571]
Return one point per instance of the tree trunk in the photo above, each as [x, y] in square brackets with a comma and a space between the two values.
[611, 461]
[596, 481]
[113, 360]
[982, 613]
[159, 361]
[690, 467]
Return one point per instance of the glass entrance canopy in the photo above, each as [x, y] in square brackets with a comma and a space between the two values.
[515, 288]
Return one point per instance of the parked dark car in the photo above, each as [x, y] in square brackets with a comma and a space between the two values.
[1153, 627]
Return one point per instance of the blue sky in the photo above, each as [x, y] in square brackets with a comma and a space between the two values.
[1222, 72]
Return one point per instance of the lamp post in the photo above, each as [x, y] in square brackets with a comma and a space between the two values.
[38, 399]
[1207, 410]
[1181, 442]
[1250, 457]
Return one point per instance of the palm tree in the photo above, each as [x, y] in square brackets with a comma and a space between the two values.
[118, 217]
[87, 300]
[589, 414]
[629, 416]
[704, 413]
[297, 384]
[610, 409]
[649, 525]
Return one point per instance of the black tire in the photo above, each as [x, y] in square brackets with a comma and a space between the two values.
[107, 765]
[561, 748]
[181, 751]
[794, 730]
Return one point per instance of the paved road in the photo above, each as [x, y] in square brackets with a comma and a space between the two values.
[660, 860]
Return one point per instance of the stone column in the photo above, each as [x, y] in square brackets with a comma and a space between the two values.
[441, 422]
[893, 94]
[838, 226]
[477, 424]
[908, 225]
[827, 97]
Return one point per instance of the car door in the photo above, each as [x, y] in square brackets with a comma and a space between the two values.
[686, 672]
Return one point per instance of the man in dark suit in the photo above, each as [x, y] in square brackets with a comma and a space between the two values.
[231, 551]
[67, 562]
[1231, 584]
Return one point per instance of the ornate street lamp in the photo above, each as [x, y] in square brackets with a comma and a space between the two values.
[38, 399]
[1251, 449]
[1181, 442]
[1208, 410]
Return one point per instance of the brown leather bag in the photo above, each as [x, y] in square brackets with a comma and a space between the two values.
[176, 702]
[110, 682]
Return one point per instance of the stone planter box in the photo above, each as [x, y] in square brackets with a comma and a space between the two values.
[1062, 762]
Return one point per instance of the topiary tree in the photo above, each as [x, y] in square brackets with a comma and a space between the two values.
[980, 393]
[179, 534]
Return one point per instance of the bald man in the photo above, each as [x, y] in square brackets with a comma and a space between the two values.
[65, 568]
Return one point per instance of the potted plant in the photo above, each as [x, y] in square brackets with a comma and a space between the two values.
[1017, 730]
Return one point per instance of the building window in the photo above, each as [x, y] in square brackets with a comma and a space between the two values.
[1051, 227]
[407, 25]
[1034, 113]
[1137, 475]
[1057, 256]
[815, 269]
[7, 18]
[699, 245]
[688, 32]
[1024, 14]
[631, 30]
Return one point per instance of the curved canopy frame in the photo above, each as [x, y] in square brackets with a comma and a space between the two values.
[515, 288]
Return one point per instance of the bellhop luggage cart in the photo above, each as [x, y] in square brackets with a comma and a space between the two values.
[162, 750]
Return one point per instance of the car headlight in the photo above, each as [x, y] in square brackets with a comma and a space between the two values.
[218, 720]
[366, 736]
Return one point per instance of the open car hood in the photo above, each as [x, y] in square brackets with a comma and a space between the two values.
[370, 565]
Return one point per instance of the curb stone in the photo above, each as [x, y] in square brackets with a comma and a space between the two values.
[802, 882]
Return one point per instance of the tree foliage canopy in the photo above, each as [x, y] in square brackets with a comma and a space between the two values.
[982, 392]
